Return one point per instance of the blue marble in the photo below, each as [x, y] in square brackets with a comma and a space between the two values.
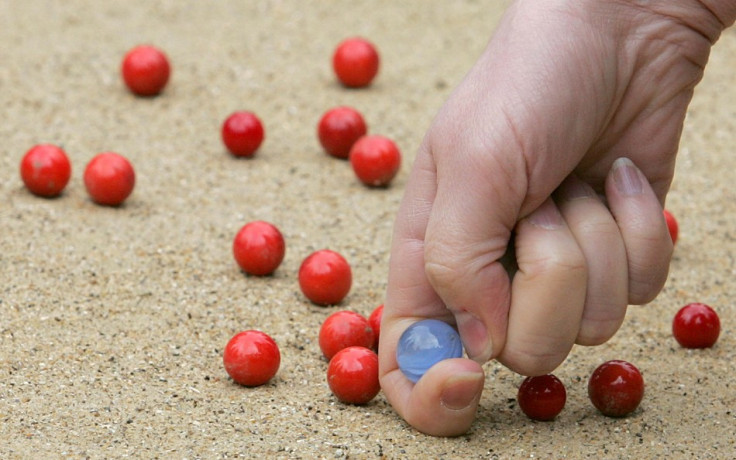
[424, 344]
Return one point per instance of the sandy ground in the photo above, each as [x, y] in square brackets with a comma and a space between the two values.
[113, 321]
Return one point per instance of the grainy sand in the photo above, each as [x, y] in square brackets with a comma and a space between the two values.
[113, 321]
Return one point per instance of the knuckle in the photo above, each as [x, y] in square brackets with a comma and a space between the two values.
[560, 263]
[449, 265]
[599, 228]
[442, 272]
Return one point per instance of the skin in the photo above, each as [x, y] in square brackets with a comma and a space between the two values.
[559, 144]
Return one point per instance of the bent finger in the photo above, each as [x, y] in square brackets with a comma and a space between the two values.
[547, 293]
[638, 213]
[467, 234]
[598, 236]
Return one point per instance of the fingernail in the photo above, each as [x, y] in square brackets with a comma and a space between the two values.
[574, 188]
[475, 337]
[626, 177]
[461, 390]
[546, 216]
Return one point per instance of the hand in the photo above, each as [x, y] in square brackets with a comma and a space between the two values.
[570, 100]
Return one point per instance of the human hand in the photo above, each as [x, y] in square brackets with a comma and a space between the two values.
[570, 100]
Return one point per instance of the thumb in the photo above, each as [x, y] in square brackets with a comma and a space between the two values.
[443, 402]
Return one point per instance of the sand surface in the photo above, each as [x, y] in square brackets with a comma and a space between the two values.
[113, 321]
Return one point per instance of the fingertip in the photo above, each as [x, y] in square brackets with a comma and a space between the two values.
[533, 362]
[626, 177]
[476, 339]
[599, 330]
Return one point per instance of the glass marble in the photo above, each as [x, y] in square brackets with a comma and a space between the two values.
[424, 344]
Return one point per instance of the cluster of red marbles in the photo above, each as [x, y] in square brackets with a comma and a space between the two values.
[347, 339]
[615, 388]
[109, 177]
[342, 131]
[252, 357]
